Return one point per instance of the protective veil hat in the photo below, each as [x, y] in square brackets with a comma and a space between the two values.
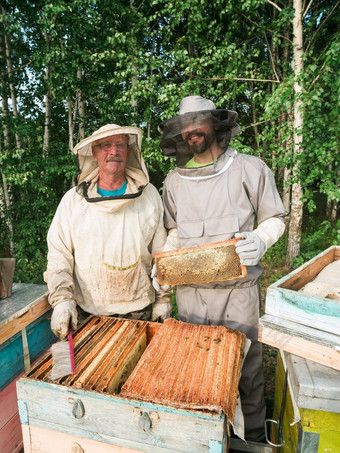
[83, 149]
[195, 110]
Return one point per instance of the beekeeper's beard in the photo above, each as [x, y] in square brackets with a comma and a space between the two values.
[204, 145]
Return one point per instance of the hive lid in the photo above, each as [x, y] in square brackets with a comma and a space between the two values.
[314, 386]
[191, 367]
[206, 263]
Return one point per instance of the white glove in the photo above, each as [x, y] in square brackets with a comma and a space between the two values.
[161, 311]
[155, 283]
[250, 249]
[63, 315]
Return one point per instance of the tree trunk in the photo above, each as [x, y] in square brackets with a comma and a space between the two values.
[294, 236]
[134, 103]
[6, 206]
[81, 107]
[286, 189]
[254, 118]
[48, 113]
[70, 113]
[11, 85]
[334, 212]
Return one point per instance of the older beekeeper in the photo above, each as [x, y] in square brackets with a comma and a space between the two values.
[213, 195]
[103, 235]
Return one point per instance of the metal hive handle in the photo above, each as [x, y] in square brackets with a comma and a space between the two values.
[145, 422]
[78, 409]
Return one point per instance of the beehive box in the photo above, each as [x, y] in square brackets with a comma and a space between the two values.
[25, 334]
[315, 391]
[85, 412]
[206, 263]
[301, 323]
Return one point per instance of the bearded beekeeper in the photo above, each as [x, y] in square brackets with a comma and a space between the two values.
[213, 195]
[103, 235]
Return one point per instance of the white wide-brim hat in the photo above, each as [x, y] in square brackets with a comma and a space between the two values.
[85, 146]
[83, 149]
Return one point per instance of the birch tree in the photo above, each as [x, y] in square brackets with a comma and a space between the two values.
[296, 211]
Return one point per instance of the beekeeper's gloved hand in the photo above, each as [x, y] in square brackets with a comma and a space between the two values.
[162, 307]
[155, 283]
[64, 316]
[250, 248]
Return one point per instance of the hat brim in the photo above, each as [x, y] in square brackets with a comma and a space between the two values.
[135, 136]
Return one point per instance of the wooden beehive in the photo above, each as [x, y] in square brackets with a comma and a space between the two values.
[311, 417]
[106, 351]
[300, 323]
[206, 263]
[90, 410]
[25, 334]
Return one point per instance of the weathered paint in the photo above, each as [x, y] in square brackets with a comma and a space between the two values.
[215, 446]
[39, 338]
[23, 414]
[305, 341]
[10, 428]
[25, 334]
[40, 439]
[317, 432]
[284, 299]
[115, 421]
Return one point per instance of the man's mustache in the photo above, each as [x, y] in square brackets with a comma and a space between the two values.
[113, 159]
[192, 134]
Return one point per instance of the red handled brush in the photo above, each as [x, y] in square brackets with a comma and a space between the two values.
[63, 358]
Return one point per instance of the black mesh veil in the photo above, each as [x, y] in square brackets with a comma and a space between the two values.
[172, 143]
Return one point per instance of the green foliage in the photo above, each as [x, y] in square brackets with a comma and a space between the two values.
[138, 59]
[318, 237]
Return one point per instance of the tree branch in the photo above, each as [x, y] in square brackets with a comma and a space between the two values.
[307, 9]
[321, 27]
[262, 122]
[271, 58]
[240, 78]
[275, 5]
[269, 29]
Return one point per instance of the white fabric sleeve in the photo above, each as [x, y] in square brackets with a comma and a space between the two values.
[60, 261]
[270, 231]
[172, 242]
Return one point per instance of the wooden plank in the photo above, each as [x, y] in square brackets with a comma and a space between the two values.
[9, 417]
[45, 440]
[301, 340]
[337, 253]
[313, 385]
[8, 403]
[26, 436]
[117, 421]
[318, 312]
[39, 336]
[10, 436]
[304, 274]
[18, 321]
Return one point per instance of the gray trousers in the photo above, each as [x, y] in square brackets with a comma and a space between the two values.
[237, 308]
